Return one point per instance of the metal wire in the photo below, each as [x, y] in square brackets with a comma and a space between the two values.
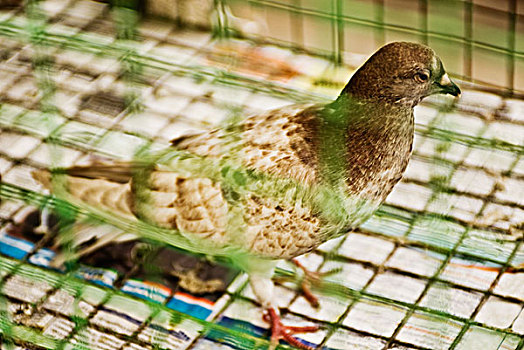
[436, 266]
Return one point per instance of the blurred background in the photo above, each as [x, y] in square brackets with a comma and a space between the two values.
[439, 266]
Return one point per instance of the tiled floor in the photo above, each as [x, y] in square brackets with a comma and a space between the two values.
[435, 268]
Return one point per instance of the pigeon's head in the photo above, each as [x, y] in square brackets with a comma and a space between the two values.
[401, 72]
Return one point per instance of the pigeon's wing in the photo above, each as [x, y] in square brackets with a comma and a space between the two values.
[281, 142]
[120, 172]
[277, 143]
[102, 186]
[167, 199]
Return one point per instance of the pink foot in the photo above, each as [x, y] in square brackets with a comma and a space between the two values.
[279, 331]
[311, 278]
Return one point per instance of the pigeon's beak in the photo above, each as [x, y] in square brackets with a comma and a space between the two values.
[446, 86]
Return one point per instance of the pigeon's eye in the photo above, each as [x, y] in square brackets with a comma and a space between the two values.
[421, 77]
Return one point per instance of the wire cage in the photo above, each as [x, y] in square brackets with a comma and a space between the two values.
[478, 40]
[439, 265]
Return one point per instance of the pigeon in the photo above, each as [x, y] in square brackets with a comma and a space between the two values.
[278, 184]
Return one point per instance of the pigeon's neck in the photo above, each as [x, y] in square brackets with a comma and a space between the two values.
[374, 114]
[378, 139]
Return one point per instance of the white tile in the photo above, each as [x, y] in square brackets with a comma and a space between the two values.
[354, 276]
[487, 244]
[25, 289]
[512, 191]
[229, 95]
[518, 325]
[366, 248]
[59, 328]
[493, 160]
[114, 322]
[281, 296]
[429, 331]
[54, 156]
[389, 221]
[397, 287]
[132, 346]
[86, 9]
[436, 231]
[469, 274]
[185, 86]
[424, 115]
[8, 208]
[409, 196]
[498, 313]
[424, 263]
[192, 38]
[205, 113]
[167, 104]
[460, 123]
[451, 300]
[181, 332]
[246, 311]
[96, 339]
[330, 308]
[374, 318]
[25, 89]
[328, 246]
[453, 152]
[17, 145]
[66, 304]
[120, 145]
[20, 175]
[155, 28]
[461, 207]
[173, 53]
[511, 285]
[264, 102]
[205, 344]
[519, 167]
[479, 101]
[53, 7]
[518, 258]
[501, 216]
[482, 338]
[514, 110]
[472, 181]
[177, 129]
[425, 169]
[508, 132]
[345, 340]
[148, 123]
[4, 165]
[310, 261]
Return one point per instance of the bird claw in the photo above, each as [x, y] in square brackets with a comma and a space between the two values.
[310, 278]
[279, 331]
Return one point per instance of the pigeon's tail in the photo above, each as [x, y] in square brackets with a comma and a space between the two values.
[100, 193]
[115, 197]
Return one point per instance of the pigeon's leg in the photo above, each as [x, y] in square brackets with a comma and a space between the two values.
[263, 286]
[279, 331]
[311, 278]
[45, 215]
[43, 228]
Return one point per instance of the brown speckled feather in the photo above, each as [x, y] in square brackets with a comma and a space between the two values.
[358, 145]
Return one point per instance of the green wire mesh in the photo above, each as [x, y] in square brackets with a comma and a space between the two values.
[438, 260]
